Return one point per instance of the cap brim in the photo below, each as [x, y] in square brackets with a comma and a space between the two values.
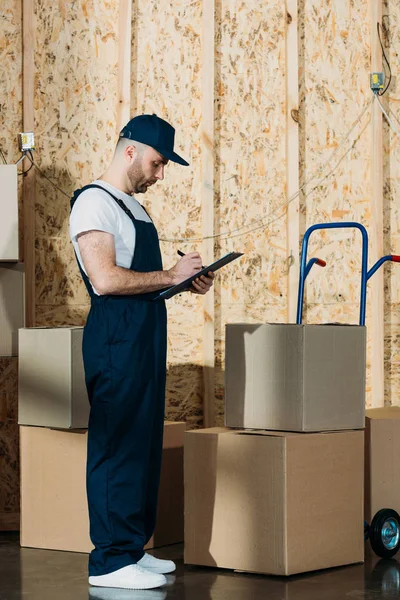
[172, 156]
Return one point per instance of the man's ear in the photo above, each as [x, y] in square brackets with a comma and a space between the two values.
[130, 153]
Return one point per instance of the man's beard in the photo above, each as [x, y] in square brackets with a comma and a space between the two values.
[137, 177]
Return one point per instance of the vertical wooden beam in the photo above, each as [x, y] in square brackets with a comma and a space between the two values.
[292, 155]
[207, 196]
[29, 187]
[376, 283]
[134, 56]
[124, 63]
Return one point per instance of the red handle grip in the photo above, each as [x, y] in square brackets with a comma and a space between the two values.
[395, 258]
[322, 263]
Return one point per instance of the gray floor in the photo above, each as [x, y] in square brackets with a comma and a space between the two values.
[46, 575]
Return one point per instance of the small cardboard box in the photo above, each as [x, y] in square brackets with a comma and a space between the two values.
[9, 246]
[52, 390]
[295, 377]
[273, 502]
[382, 463]
[12, 307]
[54, 512]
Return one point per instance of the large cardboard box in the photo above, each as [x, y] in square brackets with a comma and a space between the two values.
[54, 511]
[52, 390]
[9, 235]
[295, 377]
[382, 460]
[12, 307]
[273, 502]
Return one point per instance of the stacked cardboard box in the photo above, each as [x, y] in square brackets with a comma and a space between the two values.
[54, 511]
[53, 414]
[281, 486]
[382, 465]
[52, 390]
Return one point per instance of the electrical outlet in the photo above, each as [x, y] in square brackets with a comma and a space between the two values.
[26, 141]
[377, 81]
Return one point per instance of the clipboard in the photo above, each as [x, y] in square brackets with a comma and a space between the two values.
[185, 285]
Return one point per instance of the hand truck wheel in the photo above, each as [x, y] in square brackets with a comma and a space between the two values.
[384, 533]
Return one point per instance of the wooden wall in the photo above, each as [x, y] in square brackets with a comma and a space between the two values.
[228, 63]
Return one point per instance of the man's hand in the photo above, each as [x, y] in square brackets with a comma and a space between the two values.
[203, 284]
[186, 267]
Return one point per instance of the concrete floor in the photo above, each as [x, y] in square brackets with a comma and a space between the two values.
[27, 574]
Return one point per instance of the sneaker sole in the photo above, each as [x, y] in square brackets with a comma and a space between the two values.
[128, 587]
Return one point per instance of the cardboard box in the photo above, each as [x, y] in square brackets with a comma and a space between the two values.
[382, 464]
[12, 307]
[52, 390]
[273, 502]
[9, 235]
[295, 377]
[54, 512]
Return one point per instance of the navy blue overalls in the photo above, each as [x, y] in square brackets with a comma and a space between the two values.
[124, 354]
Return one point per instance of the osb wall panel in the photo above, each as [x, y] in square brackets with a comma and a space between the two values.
[335, 67]
[391, 101]
[76, 57]
[167, 39]
[250, 173]
[9, 452]
[11, 87]
[10, 125]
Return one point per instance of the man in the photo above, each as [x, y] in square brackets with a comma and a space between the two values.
[124, 352]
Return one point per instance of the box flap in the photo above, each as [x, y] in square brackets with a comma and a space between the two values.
[212, 430]
[387, 412]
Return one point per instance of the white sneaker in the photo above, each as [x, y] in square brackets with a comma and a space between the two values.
[132, 577]
[156, 565]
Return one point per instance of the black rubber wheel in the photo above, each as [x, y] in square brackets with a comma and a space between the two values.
[384, 533]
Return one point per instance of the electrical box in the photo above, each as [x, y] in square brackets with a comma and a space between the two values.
[9, 247]
[377, 81]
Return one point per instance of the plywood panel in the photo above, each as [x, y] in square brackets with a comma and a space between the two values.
[11, 87]
[58, 280]
[335, 90]
[185, 393]
[76, 111]
[250, 167]
[10, 78]
[167, 59]
[76, 102]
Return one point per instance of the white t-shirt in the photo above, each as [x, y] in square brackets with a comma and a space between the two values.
[95, 209]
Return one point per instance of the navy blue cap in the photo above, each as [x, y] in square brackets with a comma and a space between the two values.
[154, 132]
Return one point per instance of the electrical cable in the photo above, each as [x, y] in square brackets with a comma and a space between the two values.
[308, 193]
[45, 176]
[235, 232]
[24, 173]
[392, 125]
[287, 202]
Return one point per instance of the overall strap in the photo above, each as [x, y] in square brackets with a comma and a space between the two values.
[100, 187]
